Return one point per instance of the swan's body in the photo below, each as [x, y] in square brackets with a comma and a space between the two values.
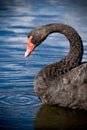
[63, 83]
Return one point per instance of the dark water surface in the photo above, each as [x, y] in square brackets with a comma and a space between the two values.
[19, 106]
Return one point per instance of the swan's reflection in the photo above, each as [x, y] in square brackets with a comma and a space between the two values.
[60, 119]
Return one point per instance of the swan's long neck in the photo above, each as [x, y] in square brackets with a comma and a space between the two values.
[74, 56]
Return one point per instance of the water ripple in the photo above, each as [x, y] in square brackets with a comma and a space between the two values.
[18, 99]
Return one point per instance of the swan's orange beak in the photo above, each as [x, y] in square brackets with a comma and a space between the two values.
[30, 47]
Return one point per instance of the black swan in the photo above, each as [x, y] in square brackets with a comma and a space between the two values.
[63, 83]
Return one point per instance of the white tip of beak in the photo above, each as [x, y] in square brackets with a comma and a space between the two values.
[26, 54]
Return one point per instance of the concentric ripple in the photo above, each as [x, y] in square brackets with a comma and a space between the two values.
[18, 99]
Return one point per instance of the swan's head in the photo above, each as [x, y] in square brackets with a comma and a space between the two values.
[35, 37]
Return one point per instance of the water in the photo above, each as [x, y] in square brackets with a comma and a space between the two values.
[19, 106]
